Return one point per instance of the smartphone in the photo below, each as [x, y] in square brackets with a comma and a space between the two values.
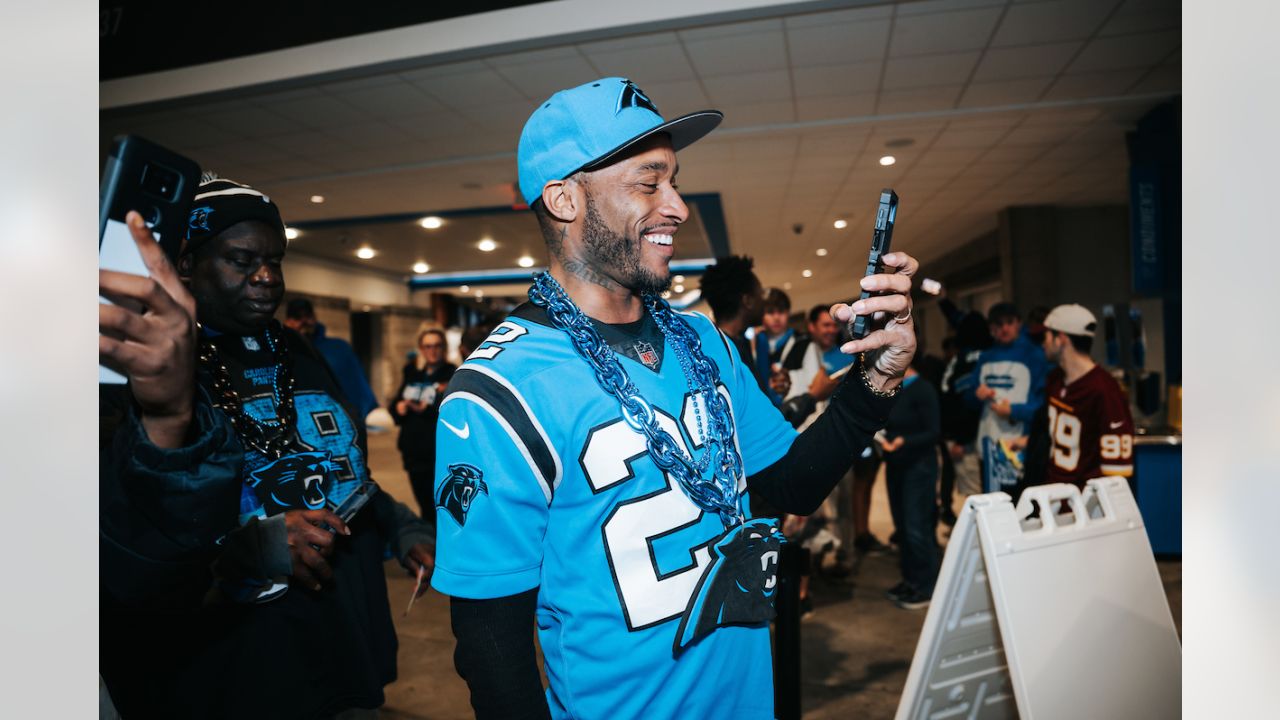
[881, 238]
[355, 501]
[158, 183]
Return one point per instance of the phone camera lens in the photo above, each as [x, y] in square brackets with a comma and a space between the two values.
[160, 183]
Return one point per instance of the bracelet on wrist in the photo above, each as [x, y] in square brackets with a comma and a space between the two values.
[866, 380]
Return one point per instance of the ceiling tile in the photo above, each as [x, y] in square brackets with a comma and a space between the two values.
[837, 44]
[1130, 51]
[829, 108]
[321, 111]
[541, 80]
[659, 63]
[1005, 92]
[1087, 85]
[1054, 21]
[839, 17]
[1166, 78]
[533, 57]
[677, 98]
[760, 113]
[1024, 62]
[444, 70]
[390, 100]
[960, 137]
[470, 88]
[179, 135]
[366, 136]
[832, 80]
[434, 124]
[630, 42]
[750, 27]
[943, 32]
[249, 120]
[936, 6]
[918, 100]
[1136, 16]
[755, 52]
[928, 70]
[750, 87]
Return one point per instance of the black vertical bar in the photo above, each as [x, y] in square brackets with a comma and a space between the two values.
[793, 562]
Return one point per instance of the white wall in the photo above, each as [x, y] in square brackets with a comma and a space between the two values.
[317, 276]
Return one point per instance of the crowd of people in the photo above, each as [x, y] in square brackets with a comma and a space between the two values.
[603, 467]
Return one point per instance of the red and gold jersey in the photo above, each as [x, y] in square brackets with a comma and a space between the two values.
[1090, 428]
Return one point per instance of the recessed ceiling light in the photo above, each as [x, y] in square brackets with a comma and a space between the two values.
[421, 267]
[678, 288]
[465, 288]
[786, 286]
[431, 222]
[479, 294]
[888, 160]
[291, 233]
[822, 252]
[487, 245]
[677, 278]
[525, 261]
[317, 199]
[841, 224]
[806, 273]
[365, 253]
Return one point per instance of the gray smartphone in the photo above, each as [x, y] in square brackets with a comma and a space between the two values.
[881, 239]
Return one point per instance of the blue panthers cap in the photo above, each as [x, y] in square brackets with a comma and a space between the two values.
[589, 126]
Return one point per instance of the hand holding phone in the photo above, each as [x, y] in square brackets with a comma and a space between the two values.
[881, 239]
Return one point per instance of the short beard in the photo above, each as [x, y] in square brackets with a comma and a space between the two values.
[612, 251]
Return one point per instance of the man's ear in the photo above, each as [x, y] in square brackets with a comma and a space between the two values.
[563, 199]
[183, 266]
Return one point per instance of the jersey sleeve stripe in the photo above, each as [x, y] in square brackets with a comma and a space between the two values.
[515, 436]
[1123, 470]
[510, 407]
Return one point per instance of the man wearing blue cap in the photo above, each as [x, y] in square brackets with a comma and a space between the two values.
[595, 451]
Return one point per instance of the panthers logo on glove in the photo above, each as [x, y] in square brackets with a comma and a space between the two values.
[294, 482]
[459, 490]
[739, 586]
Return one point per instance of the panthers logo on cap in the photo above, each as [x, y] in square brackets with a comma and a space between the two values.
[739, 586]
[459, 490]
[633, 96]
[199, 221]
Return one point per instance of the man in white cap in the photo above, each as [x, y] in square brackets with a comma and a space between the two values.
[1090, 427]
[595, 451]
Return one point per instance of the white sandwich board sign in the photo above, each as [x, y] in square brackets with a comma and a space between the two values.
[1047, 611]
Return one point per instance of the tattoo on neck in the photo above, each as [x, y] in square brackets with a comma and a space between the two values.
[583, 271]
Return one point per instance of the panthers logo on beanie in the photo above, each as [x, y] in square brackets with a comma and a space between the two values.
[459, 490]
[739, 586]
[294, 482]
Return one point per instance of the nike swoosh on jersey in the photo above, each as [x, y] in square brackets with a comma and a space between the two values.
[1116, 425]
[464, 432]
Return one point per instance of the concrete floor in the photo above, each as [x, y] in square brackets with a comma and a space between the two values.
[857, 646]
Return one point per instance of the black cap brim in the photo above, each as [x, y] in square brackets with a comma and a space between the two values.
[684, 131]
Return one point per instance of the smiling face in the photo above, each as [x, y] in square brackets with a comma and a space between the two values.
[824, 330]
[633, 211]
[236, 278]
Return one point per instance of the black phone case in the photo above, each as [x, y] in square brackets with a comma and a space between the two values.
[123, 189]
[881, 239]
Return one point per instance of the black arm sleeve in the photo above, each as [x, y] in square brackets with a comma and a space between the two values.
[799, 481]
[495, 656]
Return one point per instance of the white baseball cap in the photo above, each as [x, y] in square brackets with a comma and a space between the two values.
[1072, 319]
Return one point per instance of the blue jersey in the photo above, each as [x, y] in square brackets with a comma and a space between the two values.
[540, 483]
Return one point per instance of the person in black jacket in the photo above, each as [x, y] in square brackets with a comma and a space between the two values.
[909, 442]
[228, 586]
[415, 411]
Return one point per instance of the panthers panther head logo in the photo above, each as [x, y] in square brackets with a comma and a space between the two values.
[459, 489]
[199, 220]
[293, 482]
[739, 586]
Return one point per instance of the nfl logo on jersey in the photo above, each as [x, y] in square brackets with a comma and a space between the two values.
[647, 354]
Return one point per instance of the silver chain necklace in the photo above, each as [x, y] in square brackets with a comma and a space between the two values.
[717, 493]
